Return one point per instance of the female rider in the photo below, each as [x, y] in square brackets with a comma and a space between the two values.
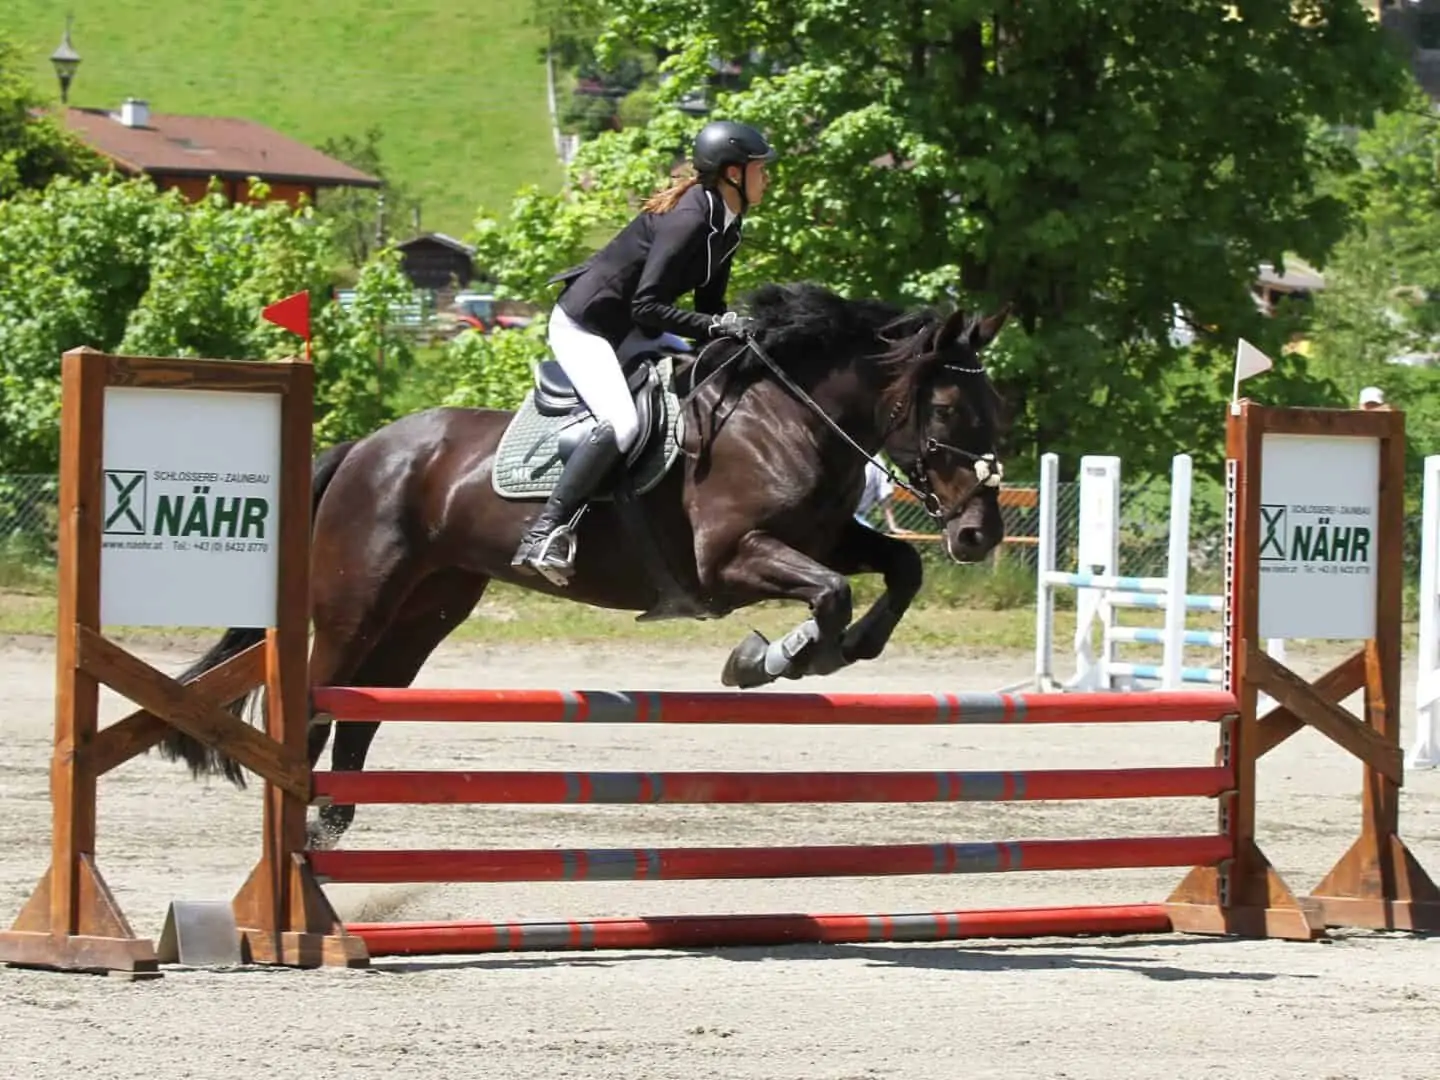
[623, 297]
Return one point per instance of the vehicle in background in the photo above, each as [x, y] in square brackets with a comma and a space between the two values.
[482, 312]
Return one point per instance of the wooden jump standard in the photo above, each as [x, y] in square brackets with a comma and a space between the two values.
[1377, 884]
[73, 923]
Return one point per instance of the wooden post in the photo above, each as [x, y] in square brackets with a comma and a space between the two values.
[1244, 895]
[71, 921]
[1378, 883]
[283, 914]
[1378, 880]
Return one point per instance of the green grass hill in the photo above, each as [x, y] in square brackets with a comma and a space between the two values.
[457, 91]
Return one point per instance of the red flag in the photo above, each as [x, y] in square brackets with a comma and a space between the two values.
[293, 314]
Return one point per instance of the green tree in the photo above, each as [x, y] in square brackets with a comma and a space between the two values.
[34, 149]
[1381, 301]
[116, 266]
[353, 213]
[1099, 164]
[493, 371]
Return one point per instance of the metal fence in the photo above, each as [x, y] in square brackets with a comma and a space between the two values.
[28, 516]
[1144, 527]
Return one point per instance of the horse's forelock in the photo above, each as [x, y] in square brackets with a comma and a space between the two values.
[918, 359]
[911, 361]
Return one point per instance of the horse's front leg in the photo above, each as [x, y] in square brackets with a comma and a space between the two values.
[863, 550]
[764, 568]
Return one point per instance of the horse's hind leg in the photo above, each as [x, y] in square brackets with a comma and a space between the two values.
[432, 610]
[352, 613]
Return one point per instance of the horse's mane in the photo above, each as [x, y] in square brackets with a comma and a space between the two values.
[804, 321]
[803, 325]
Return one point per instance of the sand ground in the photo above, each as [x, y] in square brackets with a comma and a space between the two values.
[1365, 1005]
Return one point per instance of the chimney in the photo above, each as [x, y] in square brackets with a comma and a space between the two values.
[135, 112]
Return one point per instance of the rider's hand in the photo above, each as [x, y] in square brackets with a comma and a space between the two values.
[731, 324]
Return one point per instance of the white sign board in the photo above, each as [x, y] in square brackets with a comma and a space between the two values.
[190, 512]
[1099, 540]
[1319, 525]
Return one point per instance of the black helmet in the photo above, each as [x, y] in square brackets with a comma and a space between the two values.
[724, 142]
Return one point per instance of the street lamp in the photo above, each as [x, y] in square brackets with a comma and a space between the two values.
[65, 60]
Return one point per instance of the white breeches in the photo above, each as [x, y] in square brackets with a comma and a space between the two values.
[593, 368]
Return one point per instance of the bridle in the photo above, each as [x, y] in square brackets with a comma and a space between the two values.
[988, 470]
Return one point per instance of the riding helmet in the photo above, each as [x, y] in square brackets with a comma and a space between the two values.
[725, 142]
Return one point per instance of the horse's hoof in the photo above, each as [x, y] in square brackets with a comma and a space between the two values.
[319, 837]
[745, 667]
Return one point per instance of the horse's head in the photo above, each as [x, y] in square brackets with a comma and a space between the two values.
[943, 420]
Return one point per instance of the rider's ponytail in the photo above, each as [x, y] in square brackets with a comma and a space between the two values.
[664, 200]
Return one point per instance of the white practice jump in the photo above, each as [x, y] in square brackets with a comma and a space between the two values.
[1102, 591]
[1425, 753]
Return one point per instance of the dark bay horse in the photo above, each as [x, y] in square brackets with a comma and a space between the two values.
[408, 531]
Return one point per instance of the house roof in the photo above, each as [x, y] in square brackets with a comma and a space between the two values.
[221, 146]
[436, 238]
[1297, 275]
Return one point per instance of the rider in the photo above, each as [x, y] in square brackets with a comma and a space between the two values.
[623, 298]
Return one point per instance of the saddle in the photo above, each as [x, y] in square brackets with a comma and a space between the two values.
[555, 396]
[552, 421]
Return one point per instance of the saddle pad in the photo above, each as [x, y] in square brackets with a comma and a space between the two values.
[527, 463]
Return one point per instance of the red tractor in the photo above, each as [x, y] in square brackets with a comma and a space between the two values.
[481, 312]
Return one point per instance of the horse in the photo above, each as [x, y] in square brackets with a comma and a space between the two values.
[408, 529]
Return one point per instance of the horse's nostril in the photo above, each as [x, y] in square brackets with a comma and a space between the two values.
[970, 537]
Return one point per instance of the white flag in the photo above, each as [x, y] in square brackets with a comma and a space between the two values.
[1248, 361]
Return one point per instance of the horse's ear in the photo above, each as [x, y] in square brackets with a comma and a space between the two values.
[984, 330]
[951, 329]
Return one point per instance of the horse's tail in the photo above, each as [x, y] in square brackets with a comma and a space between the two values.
[178, 746]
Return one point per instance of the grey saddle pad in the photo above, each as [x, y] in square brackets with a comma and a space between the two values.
[527, 463]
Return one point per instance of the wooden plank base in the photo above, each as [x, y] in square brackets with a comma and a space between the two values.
[1379, 886]
[1378, 914]
[319, 938]
[1289, 924]
[103, 942]
[1265, 909]
[290, 949]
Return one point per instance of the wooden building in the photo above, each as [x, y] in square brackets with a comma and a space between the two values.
[437, 261]
[185, 152]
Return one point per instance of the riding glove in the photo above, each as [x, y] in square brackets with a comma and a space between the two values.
[731, 324]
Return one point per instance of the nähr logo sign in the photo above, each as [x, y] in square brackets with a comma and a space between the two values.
[124, 503]
[197, 514]
[1315, 539]
[212, 517]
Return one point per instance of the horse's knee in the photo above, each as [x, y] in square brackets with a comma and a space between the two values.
[834, 605]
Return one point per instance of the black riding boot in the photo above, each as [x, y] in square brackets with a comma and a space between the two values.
[549, 545]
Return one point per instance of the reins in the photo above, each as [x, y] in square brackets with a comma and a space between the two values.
[988, 472]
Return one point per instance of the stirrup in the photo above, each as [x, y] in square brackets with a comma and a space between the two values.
[557, 568]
